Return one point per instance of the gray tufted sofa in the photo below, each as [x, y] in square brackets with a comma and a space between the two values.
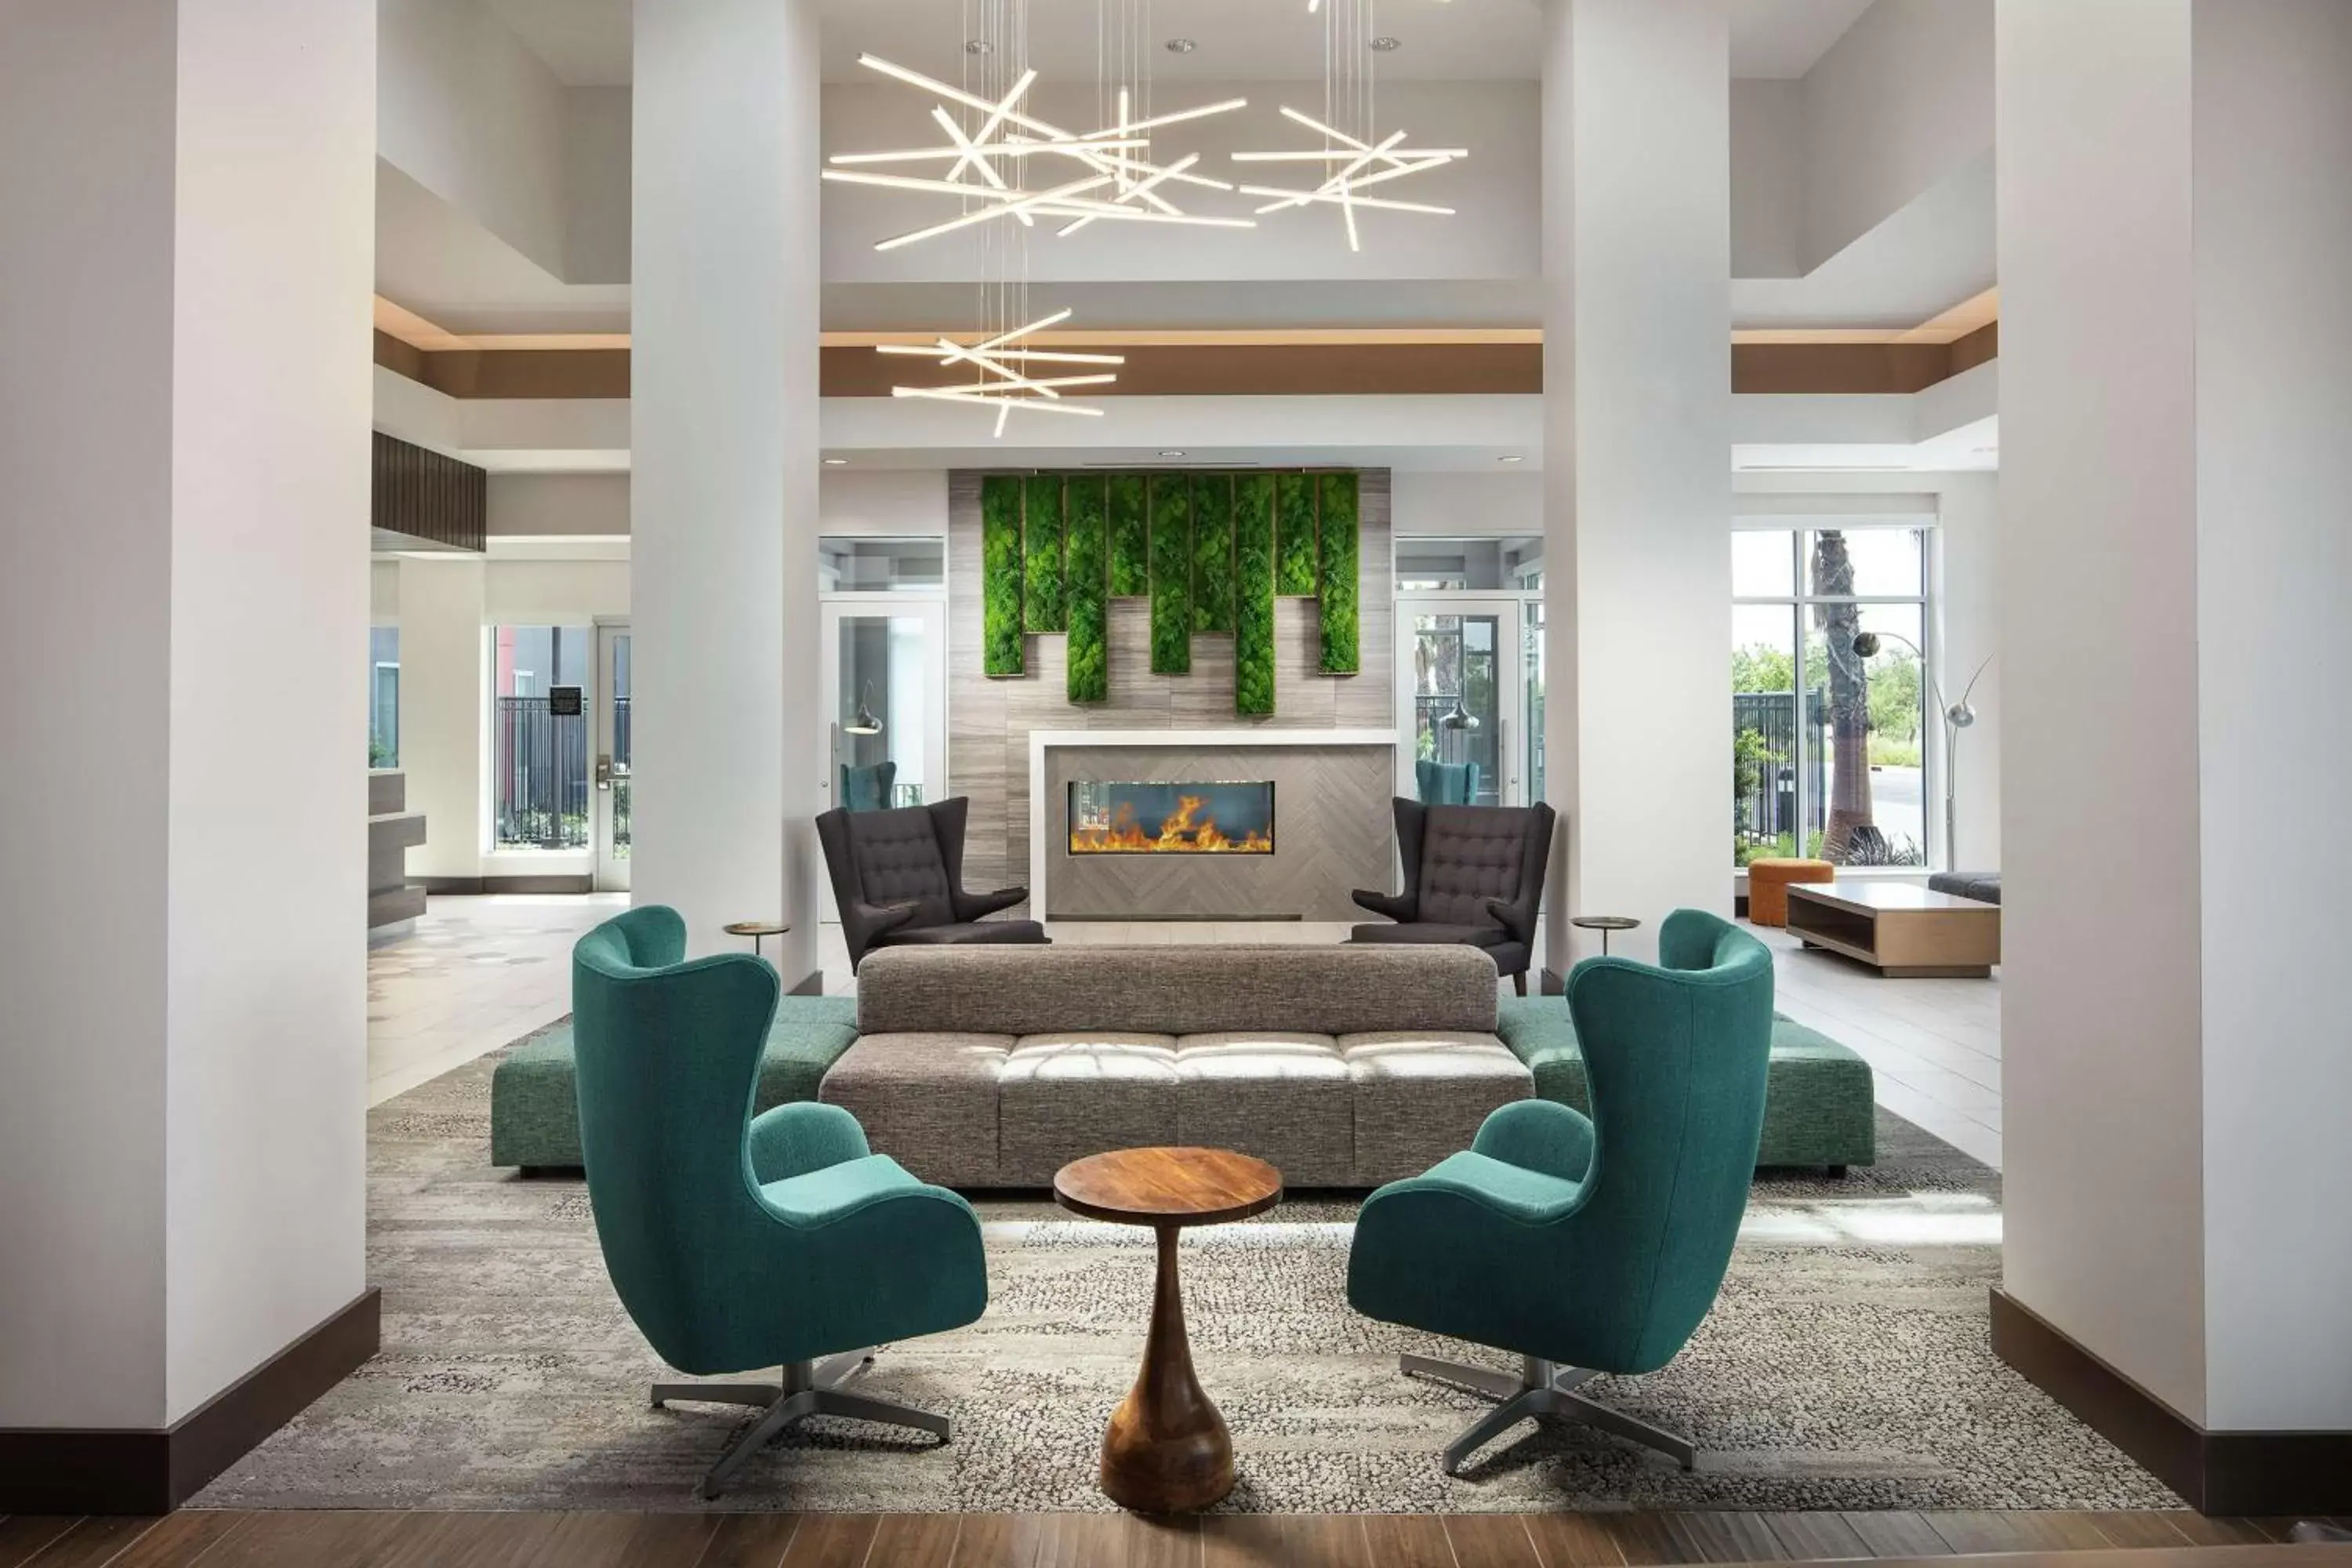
[1346, 1067]
[898, 880]
[1474, 877]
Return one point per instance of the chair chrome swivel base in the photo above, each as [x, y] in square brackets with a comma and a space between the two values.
[1542, 1388]
[807, 1388]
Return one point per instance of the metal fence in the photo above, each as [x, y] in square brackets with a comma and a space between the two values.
[1761, 813]
[541, 769]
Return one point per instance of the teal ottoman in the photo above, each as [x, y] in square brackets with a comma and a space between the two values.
[535, 1111]
[1819, 1109]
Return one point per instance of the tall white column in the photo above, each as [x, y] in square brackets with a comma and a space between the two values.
[2175, 231]
[1637, 459]
[445, 698]
[184, 274]
[729, 728]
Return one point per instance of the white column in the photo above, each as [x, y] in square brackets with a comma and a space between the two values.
[729, 725]
[445, 698]
[1637, 459]
[2174, 230]
[185, 273]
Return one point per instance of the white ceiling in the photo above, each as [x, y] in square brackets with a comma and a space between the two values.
[586, 42]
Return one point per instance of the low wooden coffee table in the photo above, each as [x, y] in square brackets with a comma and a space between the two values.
[1166, 1450]
[1900, 929]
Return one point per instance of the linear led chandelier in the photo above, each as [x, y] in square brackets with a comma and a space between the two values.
[1356, 157]
[1003, 382]
[1115, 175]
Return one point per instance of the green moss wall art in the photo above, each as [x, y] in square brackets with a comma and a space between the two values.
[1002, 650]
[1211, 552]
[1294, 513]
[1086, 589]
[1337, 584]
[1254, 593]
[1131, 537]
[1041, 552]
[1171, 575]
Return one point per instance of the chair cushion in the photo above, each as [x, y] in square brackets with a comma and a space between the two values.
[930, 1099]
[962, 933]
[1063, 1097]
[1470, 854]
[1421, 1094]
[817, 1195]
[899, 862]
[1283, 1097]
[1431, 932]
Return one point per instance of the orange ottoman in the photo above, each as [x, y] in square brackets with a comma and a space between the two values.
[1768, 886]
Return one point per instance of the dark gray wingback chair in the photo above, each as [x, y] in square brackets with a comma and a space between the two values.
[1474, 876]
[898, 880]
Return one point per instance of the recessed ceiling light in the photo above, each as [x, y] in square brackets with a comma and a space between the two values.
[978, 46]
[836, 462]
[1513, 458]
[1182, 45]
[1171, 452]
[1384, 45]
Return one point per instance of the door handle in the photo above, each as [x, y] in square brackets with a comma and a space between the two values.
[603, 770]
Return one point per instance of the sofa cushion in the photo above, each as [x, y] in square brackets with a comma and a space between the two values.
[929, 1101]
[535, 1107]
[1175, 990]
[1065, 1096]
[1420, 1095]
[1982, 885]
[1283, 1097]
[1819, 1102]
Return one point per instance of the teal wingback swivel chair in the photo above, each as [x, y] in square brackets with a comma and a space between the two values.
[1590, 1247]
[738, 1243]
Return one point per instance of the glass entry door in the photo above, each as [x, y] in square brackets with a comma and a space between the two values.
[884, 676]
[610, 795]
[1470, 696]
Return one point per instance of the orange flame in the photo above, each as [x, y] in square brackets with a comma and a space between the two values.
[1185, 832]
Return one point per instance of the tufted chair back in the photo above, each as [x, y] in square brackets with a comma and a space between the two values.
[900, 855]
[1458, 856]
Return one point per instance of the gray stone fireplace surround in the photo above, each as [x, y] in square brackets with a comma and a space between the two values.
[990, 721]
[1332, 828]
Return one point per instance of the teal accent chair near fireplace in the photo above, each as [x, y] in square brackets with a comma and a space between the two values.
[738, 1242]
[1591, 1246]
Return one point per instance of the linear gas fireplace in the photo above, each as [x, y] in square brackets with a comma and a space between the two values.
[1225, 818]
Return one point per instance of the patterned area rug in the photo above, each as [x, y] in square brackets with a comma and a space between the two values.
[1846, 1366]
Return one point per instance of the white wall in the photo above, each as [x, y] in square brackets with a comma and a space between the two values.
[2101, 987]
[1767, 179]
[1904, 100]
[473, 115]
[597, 185]
[883, 502]
[554, 592]
[538, 506]
[1493, 234]
[445, 683]
[183, 421]
[2272, 230]
[1507, 501]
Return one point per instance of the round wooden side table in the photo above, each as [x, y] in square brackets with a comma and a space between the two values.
[1604, 924]
[757, 931]
[1166, 1449]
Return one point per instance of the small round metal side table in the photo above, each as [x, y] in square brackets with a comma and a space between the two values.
[758, 930]
[1604, 924]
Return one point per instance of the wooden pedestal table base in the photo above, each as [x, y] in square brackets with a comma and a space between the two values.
[1166, 1450]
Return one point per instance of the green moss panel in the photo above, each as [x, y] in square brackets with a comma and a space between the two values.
[1294, 526]
[1086, 589]
[1002, 651]
[1171, 575]
[1337, 588]
[1213, 552]
[1131, 537]
[1254, 593]
[1040, 547]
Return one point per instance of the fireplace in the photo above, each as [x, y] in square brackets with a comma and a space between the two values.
[1221, 818]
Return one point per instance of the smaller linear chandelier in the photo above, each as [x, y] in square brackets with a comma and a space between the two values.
[1001, 378]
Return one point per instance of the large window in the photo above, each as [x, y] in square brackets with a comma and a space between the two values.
[383, 697]
[543, 693]
[1830, 751]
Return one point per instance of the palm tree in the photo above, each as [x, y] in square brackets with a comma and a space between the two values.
[1849, 805]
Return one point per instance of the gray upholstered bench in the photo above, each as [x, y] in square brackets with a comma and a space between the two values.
[1346, 1067]
[535, 1109]
[1820, 1107]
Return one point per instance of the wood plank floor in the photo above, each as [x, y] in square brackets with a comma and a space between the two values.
[1619, 1539]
